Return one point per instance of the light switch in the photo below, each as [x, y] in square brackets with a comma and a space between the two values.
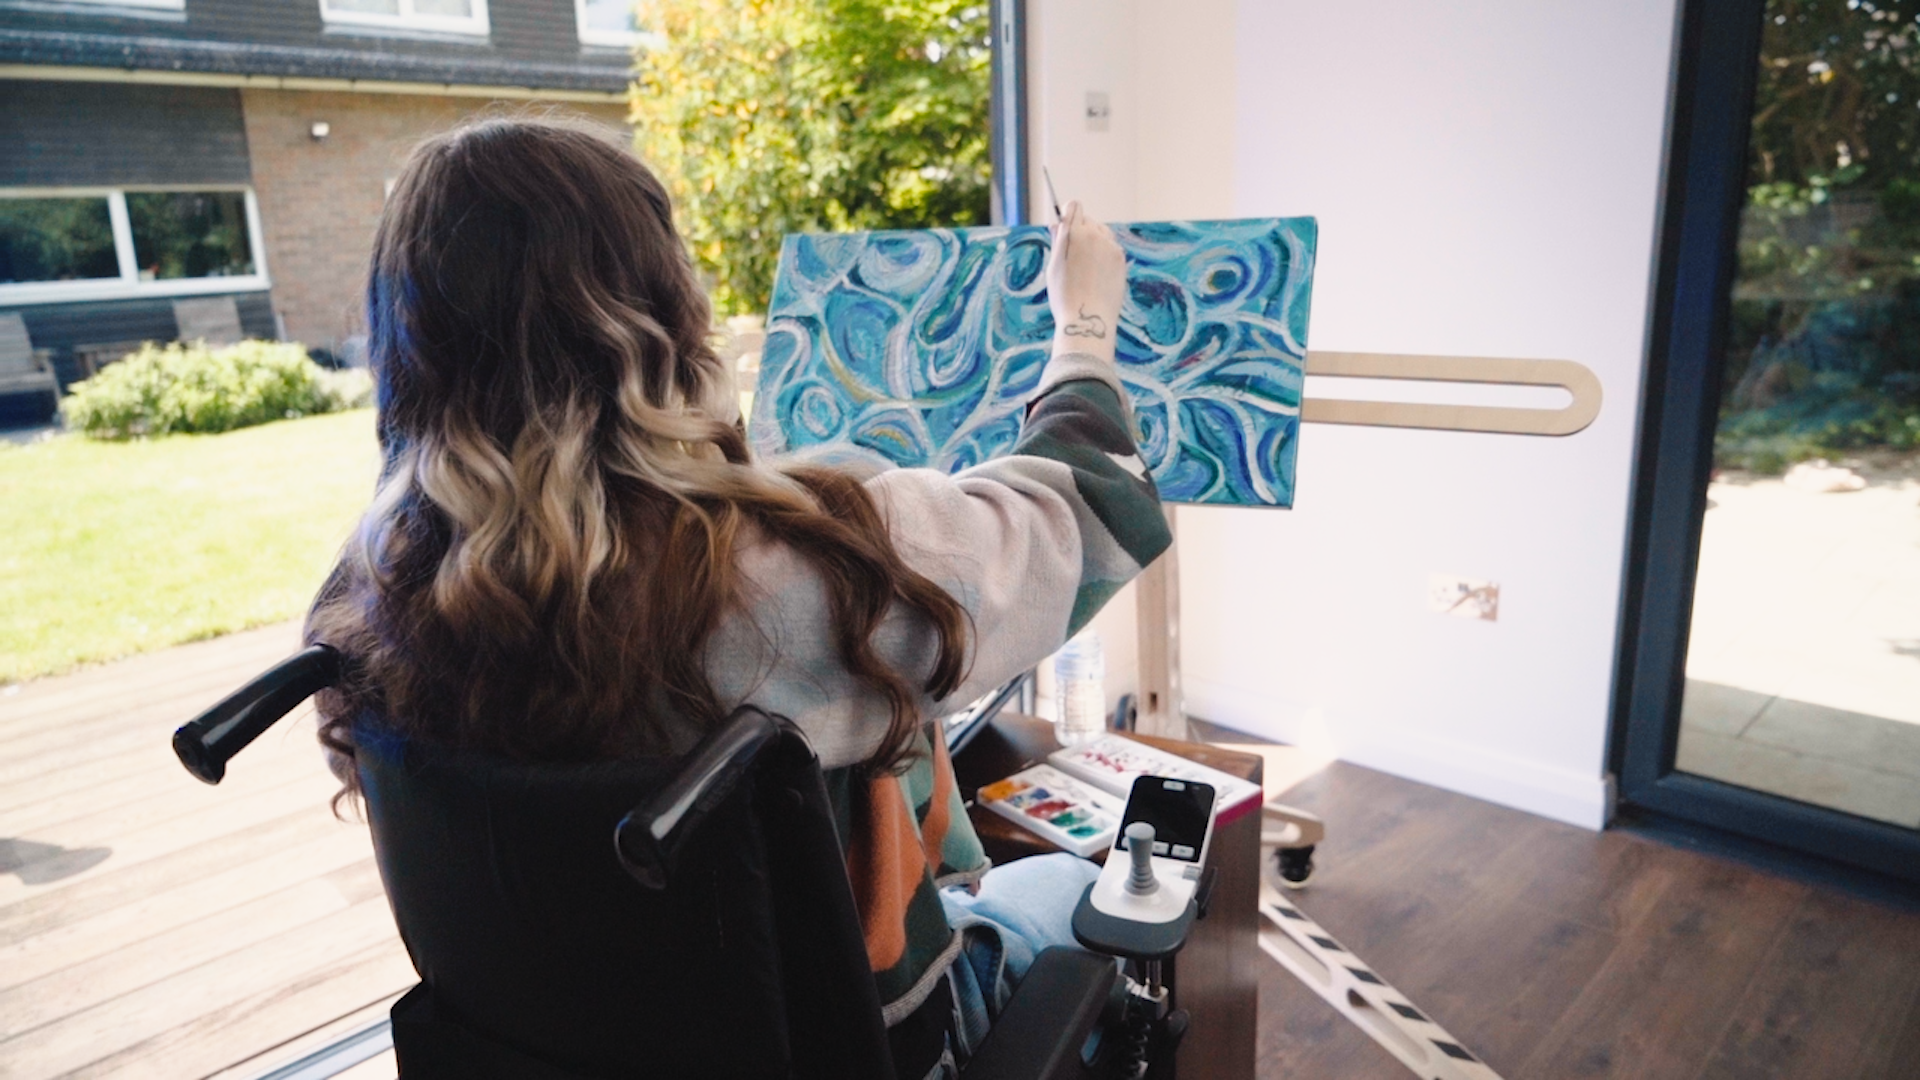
[1099, 110]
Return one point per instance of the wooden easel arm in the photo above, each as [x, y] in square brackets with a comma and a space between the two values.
[1574, 378]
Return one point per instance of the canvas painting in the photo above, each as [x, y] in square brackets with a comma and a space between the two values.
[919, 348]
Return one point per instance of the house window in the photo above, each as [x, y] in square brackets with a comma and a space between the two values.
[50, 240]
[447, 16]
[60, 245]
[166, 5]
[190, 234]
[608, 22]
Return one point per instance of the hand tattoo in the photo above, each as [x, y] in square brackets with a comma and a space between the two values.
[1086, 325]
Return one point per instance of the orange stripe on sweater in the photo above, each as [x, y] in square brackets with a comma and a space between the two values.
[888, 866]
[933, 831]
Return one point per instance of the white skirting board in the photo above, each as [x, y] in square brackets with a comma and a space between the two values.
[1551, 792]
[1345, 981]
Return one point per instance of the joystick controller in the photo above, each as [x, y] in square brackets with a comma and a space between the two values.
[1141, 881]
[1142, 905]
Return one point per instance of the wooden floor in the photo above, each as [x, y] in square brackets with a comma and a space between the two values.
[151, 926]
[1556, 953]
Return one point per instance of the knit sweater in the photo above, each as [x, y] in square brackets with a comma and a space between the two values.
[1032, 544]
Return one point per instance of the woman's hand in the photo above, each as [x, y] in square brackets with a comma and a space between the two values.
[1086, 278]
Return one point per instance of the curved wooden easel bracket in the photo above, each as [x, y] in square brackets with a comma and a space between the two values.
[1574, 378]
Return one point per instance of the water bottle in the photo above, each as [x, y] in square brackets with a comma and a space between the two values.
[1080, 688]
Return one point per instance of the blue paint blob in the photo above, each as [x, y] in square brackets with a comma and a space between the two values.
[1158, 307]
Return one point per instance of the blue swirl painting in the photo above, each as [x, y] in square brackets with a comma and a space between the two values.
[920, 348]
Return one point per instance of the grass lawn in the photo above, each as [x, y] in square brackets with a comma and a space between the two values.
[108, 549]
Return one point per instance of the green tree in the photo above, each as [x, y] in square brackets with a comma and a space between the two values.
[1823, 351]
[1836, 92]
[767, 117]
[1834, 157]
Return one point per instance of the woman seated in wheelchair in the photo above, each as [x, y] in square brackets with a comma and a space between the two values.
[573, 555]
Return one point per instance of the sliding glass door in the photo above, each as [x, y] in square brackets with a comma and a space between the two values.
[1772, 679]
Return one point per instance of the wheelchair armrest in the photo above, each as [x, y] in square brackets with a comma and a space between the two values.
[207, 742]
[1039, 1034]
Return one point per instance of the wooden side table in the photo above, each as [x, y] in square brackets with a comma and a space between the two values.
[1215, 978]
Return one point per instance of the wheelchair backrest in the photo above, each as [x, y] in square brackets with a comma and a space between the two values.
[529, 935]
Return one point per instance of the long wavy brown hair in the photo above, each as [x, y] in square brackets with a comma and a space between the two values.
[566, 477]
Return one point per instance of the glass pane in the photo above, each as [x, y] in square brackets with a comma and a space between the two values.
[611, 17]
[456, 9]
[189, 234]
[1803, 671]
[55, 240]
[364, 7]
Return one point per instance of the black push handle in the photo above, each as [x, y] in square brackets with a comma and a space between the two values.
[205, 743]
[648, 838]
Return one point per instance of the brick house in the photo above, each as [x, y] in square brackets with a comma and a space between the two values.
[154, 151]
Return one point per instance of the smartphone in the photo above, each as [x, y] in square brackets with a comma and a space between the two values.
[1181, 813]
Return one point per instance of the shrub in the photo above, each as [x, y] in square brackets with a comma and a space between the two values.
[1830, 418]
[191, 388]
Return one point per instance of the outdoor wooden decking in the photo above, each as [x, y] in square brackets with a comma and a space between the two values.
[152, 926]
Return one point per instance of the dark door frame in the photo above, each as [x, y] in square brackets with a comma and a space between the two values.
[1009, 112]
[1713, 88]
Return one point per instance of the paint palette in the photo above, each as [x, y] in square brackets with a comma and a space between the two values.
[1113, 762]
[1071, 814]
[920, 349]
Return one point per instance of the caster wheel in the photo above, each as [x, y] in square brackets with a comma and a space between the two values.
[1295, 866]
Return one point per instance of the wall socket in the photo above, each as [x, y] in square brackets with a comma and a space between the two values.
[1463, 597]
[1099, 110]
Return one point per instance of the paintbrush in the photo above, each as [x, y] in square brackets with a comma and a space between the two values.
[1051, 194]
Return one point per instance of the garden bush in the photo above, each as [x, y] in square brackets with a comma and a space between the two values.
[1769, 441]
[192, 388]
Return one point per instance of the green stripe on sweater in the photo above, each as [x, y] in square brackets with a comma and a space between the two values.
[1083, 425]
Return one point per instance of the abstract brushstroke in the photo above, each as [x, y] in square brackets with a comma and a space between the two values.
[920, 348]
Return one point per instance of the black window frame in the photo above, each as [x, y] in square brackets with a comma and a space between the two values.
[1008, 108]
[1705, 189]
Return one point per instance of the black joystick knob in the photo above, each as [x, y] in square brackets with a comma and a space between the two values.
[1141, 881]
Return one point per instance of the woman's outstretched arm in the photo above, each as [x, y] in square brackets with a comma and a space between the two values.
[1032, 544]
[1035, 542]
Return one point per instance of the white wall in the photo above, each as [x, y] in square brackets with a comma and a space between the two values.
[1486, 178]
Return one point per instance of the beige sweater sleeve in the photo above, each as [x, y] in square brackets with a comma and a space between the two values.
[1031, 544]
